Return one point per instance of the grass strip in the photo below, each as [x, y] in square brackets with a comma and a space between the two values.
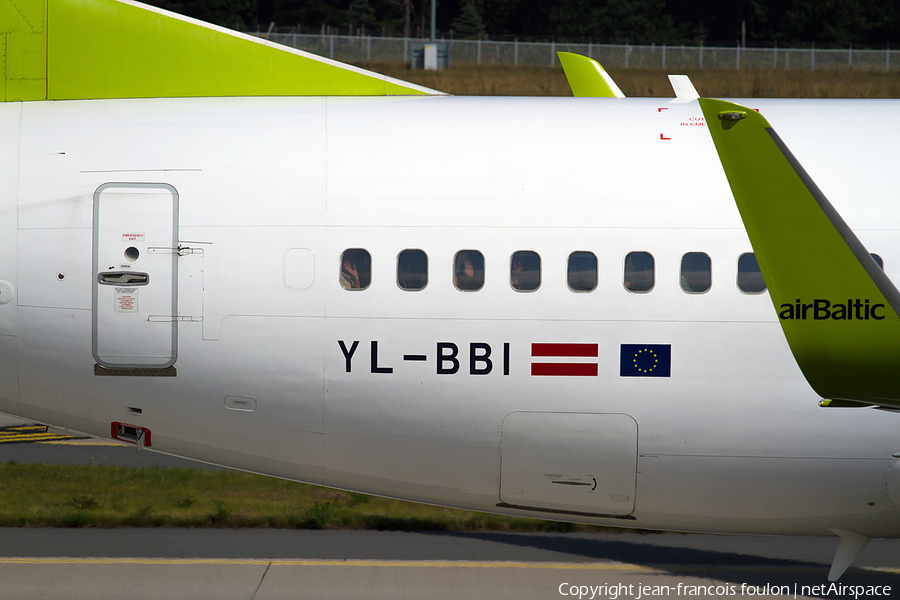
[38, 495]
[504, 80]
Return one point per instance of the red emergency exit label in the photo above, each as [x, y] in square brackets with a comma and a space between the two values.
[126, 300]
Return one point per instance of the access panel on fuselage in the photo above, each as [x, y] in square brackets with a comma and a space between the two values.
[569, 462]
[135, 275]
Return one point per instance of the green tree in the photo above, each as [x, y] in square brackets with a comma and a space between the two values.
[839, 22]
[643, 21]
[360, 14]
[227, 13]
[309, 13]
[468, 25]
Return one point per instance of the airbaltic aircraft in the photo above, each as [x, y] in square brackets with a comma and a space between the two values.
[215, 247]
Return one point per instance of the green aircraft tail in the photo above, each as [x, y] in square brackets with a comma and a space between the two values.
[587, 77]
[90, 49]
[840, 313]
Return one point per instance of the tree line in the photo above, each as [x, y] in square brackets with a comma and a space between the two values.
[861, 23]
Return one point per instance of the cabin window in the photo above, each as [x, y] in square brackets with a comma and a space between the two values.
[356, 269]
[525, 271]
[468, 270]
[878, 261]
[749, 277]
[696, 272]
[412, 270]
[639, 272]
[582, 272]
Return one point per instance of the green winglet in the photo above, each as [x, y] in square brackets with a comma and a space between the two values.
[587, 78]
[838, 309]
[843, 404]
[90, 49]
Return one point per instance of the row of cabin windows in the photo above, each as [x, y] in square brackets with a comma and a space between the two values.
[639, 274]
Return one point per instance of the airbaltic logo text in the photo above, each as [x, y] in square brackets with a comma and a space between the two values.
[820, 310]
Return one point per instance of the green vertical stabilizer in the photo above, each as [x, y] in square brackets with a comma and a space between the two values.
[838, 309]
[89, 49]
[587, 77]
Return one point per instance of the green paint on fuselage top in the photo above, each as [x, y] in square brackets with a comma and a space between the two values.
[89, 49]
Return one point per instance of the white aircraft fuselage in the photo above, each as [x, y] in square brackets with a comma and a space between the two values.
[240, 210]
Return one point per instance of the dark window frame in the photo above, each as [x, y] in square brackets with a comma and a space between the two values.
[684, 281]
[357, 262]
[478, 266]
[636, 274]
[750, 292]
[878, 260]
[569, 272]
[524, 281]
[401, 276]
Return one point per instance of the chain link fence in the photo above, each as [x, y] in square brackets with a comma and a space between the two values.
[485, 52]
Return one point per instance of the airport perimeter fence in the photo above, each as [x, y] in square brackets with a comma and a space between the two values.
[485, 52]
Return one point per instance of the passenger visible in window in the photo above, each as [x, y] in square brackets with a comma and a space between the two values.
[582, 272]
[639, 272]
[696, 272]
[355, 269]
[468, 271]
[525, 271]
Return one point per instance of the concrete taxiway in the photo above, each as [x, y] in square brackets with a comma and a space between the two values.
[258, 564]
[26, 442]
[261, 564]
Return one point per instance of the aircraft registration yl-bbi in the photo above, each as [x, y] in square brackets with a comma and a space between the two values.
[215, 247]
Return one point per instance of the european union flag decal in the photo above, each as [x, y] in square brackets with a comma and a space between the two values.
[645, 360]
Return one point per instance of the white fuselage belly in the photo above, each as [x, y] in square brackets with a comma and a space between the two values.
[272, 191]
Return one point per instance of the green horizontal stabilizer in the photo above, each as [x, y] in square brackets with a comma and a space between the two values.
[89, 49]
[587, 77]
[838, 309]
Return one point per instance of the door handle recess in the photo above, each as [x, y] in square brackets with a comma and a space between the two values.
[123, 278]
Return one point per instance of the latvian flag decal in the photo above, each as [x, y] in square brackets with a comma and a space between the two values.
[565, 359]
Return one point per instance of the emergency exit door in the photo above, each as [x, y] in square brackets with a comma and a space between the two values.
[135, 295]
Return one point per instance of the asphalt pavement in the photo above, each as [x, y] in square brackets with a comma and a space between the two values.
[257, 564]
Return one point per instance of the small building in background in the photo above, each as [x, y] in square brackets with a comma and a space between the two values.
[431, 56]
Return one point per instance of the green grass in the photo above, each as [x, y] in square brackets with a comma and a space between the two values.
[103, 496]
[469, 80]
